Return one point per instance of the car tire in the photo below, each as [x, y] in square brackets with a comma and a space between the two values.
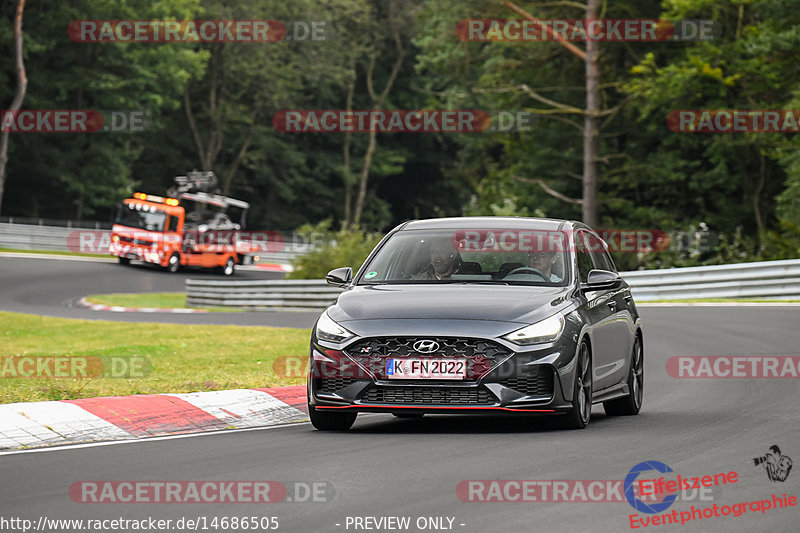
[124, 261]
[581, 413]
[229, 268]
[408, 415]
[632, 403]
[173, 264]
[331, 421]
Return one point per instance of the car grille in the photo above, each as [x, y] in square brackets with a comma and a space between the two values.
[140, 242]
[540, 384]
[331, 385]
[448, 347]
[428, 395]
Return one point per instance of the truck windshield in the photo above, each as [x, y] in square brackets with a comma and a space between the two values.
[141, 216]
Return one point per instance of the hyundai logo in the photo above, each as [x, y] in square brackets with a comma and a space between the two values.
[426, 346]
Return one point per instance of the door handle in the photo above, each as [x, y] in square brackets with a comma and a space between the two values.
[612, 304]
[628, 297]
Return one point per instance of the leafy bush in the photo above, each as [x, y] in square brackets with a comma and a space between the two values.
[338, 249]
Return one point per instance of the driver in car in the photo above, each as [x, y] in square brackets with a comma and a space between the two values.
[540, 261]
[445, 261]
[544, 262]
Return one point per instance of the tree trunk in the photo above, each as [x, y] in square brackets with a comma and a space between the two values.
[346, 172]
[79, 207]
[226, 188]
[362, 186]
[22, 85]
[208, 152]
[590, 130]
[377, 105]
[591, 113]
[762, 226]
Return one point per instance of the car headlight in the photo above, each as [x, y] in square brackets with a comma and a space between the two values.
[547, 330]
[328, 330]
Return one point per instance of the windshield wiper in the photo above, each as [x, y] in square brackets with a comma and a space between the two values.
[483, 282]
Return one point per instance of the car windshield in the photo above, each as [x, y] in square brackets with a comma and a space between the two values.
[513, 257]
[141, 216]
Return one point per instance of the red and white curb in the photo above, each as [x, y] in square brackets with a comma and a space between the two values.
[37, 424]
[83, 302]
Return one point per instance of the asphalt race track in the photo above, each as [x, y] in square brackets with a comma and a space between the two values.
[390, 467]
[52, 286]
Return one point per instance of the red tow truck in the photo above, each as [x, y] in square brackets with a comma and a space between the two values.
[190, 227]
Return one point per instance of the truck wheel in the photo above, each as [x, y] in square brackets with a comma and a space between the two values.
[174, 263]
[229, 268]
[124, 261]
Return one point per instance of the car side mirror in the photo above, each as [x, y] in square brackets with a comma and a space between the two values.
[602, 279]
[339, 277]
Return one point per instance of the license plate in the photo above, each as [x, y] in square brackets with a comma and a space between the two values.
[426, 368]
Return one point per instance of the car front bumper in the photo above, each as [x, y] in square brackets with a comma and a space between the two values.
[515, 380]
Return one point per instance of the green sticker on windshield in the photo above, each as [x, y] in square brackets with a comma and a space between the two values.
[370, 275]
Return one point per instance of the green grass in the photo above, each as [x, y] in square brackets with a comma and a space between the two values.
[171, 300]
[718, 300]
[182, 358]
[152, 299]
[79, 254]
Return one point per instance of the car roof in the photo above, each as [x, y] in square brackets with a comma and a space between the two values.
[488, 223]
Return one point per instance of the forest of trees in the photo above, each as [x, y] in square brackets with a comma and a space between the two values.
[211, 107]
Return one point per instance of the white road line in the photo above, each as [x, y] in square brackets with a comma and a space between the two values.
[718, 304]
[140, 439]
[165, 437]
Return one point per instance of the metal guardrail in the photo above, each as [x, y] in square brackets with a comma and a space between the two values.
[39, 238]
[778, 280]
[299, 295]
[774, 280]
[31, 221]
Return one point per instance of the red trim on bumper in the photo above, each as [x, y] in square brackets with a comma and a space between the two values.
[393, 407]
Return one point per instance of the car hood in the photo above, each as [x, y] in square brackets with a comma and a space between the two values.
[495, 303]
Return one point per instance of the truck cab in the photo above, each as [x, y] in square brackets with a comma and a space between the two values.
[190, 229]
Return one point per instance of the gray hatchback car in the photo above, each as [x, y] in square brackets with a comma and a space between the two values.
[487, 315]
